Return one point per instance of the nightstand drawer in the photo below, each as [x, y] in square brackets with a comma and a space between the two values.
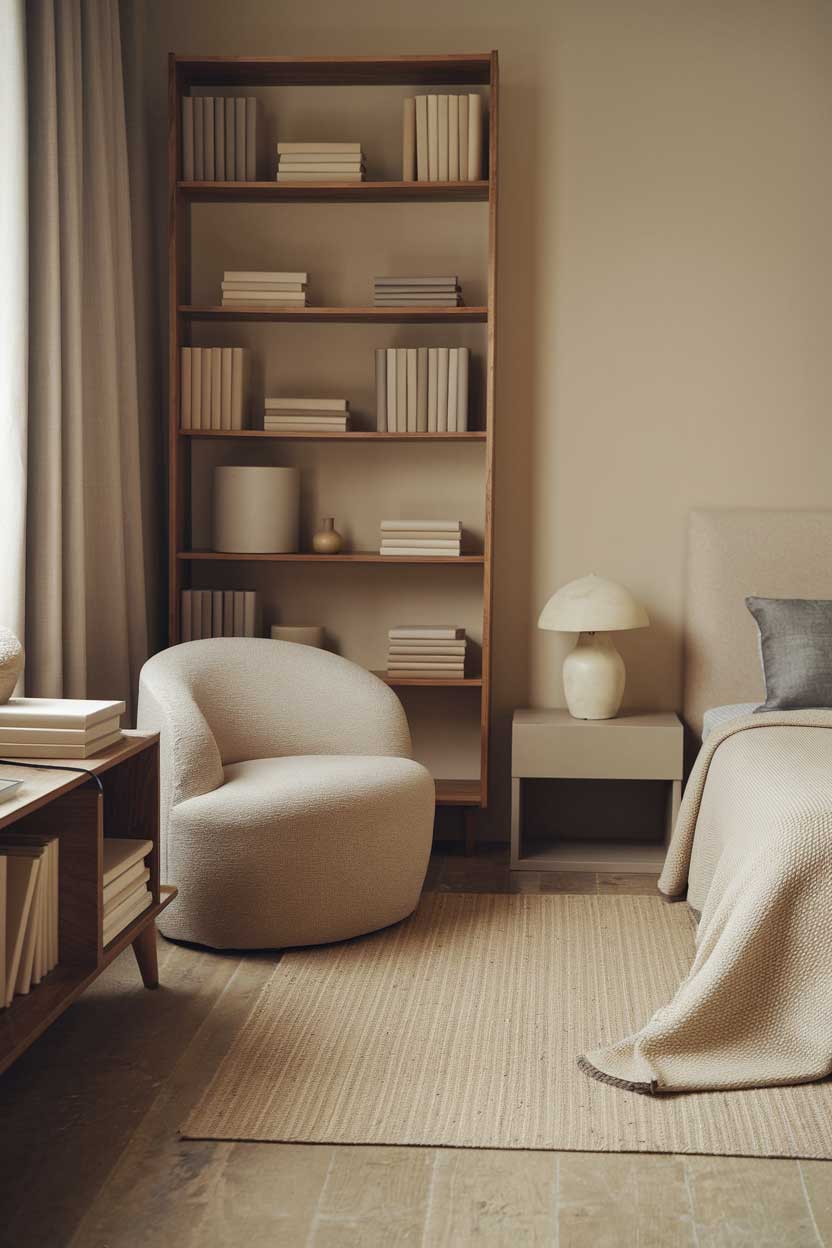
[550, 744]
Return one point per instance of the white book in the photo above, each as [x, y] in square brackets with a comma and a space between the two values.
[124, 916]
[199, 138]
[416, 280]
[321, 166]
[462, 390]
[320, 405]
[187, 138]
[137, 871]
[251, 139]
[219, 138]
[320, 158]
[453, 387]
[249, 613]
[421, 390]
[453, 138]
[196, 387]
[437, 662]
[216, 388]
[474, 138]
[426, 647]
[429, 301]
[424, 674]
[433, 138]
[259, 295]
[186, 628]
[392, 389]
[239, 612]
[421, 138]
[127, 889]
[412, 400]
[216, 613]
[205, 414]
[230, 141]
[422, 535]
[185, 384]
[409, 140]
[433, 376]
[21, 876]
[254, 275]
[442, 132]
[57, 712]
[306, 418]
[34, 737]
[15, 750]
[240, 139]
[120, 853]
[401, 390]
[429, 543]
[304, 426]
[430, 632]
[428, 526]
[288, 149]
[226, 386]
[417, 550]
[381, 389]
[237, 388]
[228, 613]
[294, 288]
[208, 137]
[196, 615]
[462, 104]
[442, 390]
[317, 177]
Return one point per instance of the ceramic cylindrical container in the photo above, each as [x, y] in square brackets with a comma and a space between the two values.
[303, 634]
[256, 510]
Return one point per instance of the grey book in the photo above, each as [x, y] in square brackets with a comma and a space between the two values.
[208, 134]
[199, 138]
[391, 389]
[187, 138]
[251, 142]
[240, 139]
[219, 139]
[230, 144]
[401, 390]
[462, 390]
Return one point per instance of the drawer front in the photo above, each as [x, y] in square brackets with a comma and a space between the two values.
[596, 752]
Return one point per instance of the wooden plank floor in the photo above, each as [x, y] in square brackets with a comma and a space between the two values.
[90, 1154]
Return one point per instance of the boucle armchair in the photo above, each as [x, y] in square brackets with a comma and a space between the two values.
[291, 810]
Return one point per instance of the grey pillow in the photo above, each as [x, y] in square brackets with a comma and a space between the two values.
[796, 650]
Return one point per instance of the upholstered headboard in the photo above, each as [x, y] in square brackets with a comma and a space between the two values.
[731, 554]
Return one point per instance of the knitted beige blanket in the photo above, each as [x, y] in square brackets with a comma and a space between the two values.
[753, 846]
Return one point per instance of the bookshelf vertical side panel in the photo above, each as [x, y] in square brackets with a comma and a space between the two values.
[178, 291]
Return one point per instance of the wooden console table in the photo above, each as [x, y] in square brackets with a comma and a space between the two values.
[71, 806]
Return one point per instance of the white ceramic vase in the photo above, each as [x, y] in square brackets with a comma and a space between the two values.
[11, 663]
[594, 677]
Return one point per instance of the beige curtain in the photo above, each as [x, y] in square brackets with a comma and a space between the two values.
[86, 607]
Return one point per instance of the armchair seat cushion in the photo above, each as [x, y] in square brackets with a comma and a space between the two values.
[299, 850]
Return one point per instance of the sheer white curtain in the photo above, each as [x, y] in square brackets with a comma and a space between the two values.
[13, 313]
[86, 608]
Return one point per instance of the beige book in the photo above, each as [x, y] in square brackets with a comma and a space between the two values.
[207, 612]
[422, 138]
[226, 382]
[321, 148]
[462, 390]
[219, 138]
[421, 389]
[442, 390]
[433, 394]
[462, 105]
[216, 613]
[433, 138]
[453, 374]
[239, 613]
[392, 389]
[412, 396]
[208, 133]
[409, 140]
[21, 878]
[120, 853]
[237, 388]
[216, 388]
[205, 415]
[31, 939]
[240, 139]
[118, 886]
[124, 916]
[137, 884]
[442, 133]
[187, 138]
[251, 138]
[474, 138]
[381, 389]
[401, 390]
[199, 138]
[228, 613]
[453, 138]
[185, 387]
[230, 141]
[196, 387]
[249, 613]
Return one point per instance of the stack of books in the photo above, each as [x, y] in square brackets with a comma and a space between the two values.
[270, 290]
[427, 650]
[442, 138]
[219, 139]
[58, 727]
[417, 292]
[29, 900]
[422, 389]
[213, 387]
[306, 415]
[442, 538]
[219, 613]
[126, 883]
[320, 162]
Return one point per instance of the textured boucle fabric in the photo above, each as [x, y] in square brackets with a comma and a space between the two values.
[291, 810]
[753, 847]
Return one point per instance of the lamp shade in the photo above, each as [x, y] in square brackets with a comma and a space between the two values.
[592, 605]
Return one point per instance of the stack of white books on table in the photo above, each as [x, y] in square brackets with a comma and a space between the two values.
[219, 613]
[429, 650]
[306, 415]
[219, 139]
[320, 162]
[422, 389]
[126, 883]
[417, 292]
[442, 138]
[29, 901]
[268, 290]
[58, 727]
[436, 538]
[213, 386]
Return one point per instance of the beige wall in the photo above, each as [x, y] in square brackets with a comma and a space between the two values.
[664, 278]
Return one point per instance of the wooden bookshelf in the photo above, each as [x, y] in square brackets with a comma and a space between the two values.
[476, 71]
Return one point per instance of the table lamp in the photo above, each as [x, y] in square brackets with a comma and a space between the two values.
[593, 673]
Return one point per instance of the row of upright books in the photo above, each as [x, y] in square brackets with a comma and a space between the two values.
[127, 891]
[436, 538]
[320, 162]
[288, 415]
[417, 292]
[430, 651]
[29, 902]
[219, 613]
[422, 389]
[213, 387]
[442, 138]
[269, 290]
[219, 139]
[58, 727]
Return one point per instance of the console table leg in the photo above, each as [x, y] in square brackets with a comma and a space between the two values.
[144, 947]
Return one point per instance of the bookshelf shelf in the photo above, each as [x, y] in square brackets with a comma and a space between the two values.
[336, 316]
[193, 324]
[333, 192]
[431, 682]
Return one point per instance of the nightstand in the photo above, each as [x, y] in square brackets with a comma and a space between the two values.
[552, 745]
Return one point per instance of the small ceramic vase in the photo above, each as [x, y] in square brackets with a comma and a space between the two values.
[327, 541]
[11, 663]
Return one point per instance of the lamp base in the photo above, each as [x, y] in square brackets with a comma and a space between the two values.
[594, 677]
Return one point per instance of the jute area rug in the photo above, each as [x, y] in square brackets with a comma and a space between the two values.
[461, 1027]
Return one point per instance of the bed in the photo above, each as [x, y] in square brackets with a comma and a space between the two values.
[752, 849]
